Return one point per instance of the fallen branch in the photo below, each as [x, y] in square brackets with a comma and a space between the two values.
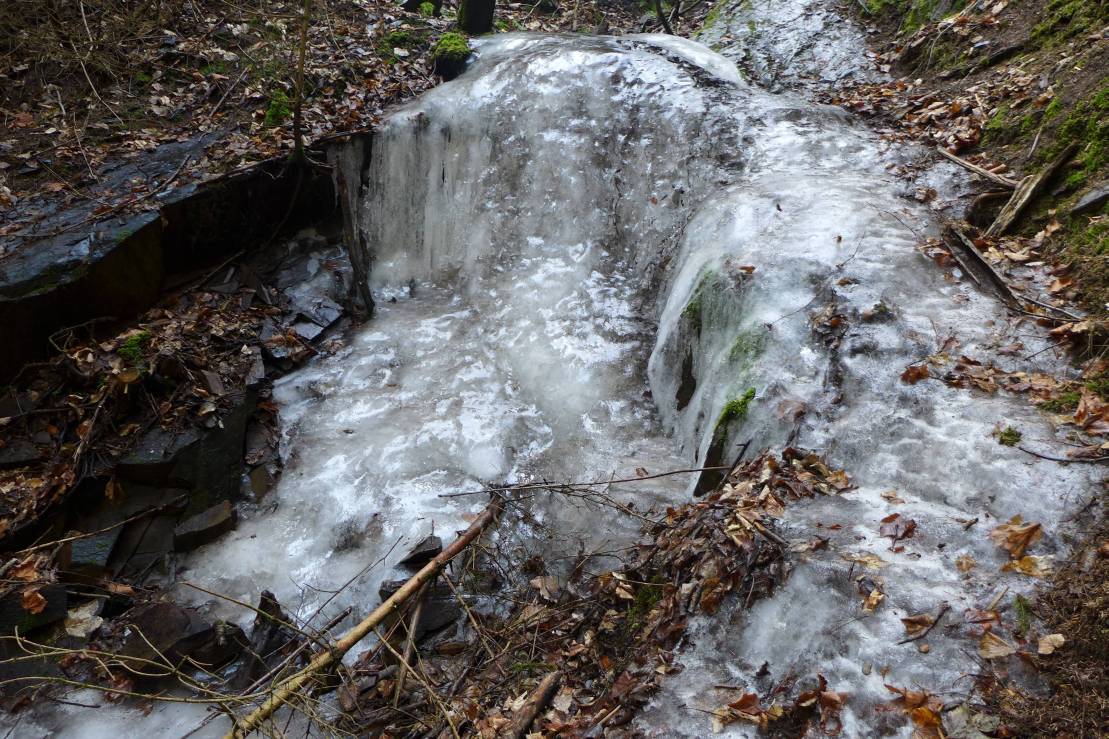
[980, 171]
[965, 244]
[1064, 460]
[534, 705]
[287, 689]
[1026, 192]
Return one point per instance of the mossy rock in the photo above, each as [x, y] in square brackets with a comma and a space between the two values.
[450, 55]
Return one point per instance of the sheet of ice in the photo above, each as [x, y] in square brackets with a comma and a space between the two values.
[798, 43]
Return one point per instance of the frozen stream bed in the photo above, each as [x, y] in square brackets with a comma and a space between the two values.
[582, 250]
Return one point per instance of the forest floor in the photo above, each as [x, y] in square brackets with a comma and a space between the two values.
[1011, 87]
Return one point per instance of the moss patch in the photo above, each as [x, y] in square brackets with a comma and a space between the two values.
[734, 410]
[1008, 436]
[451, 47]
[278, 110]
[133, 348]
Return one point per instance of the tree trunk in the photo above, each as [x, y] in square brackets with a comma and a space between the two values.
[476, 16]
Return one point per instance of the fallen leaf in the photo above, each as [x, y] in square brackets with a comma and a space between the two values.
[1030, 565]
[1050, 643]
[918, 624]
[32, 601]
[993, 646]
[914, 373]
[896, 527]
[892, 497]
[873, 561]
[964, 563]
[1016, 536]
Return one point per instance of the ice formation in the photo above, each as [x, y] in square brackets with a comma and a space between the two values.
[582, 250]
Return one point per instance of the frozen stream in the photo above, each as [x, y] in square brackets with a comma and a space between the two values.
[582, 250]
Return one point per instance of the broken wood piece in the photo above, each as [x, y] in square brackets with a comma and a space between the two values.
[980, 171]
[409, 644]
[289, 688]
[958, 239]
[533, 706]
[1026, 192]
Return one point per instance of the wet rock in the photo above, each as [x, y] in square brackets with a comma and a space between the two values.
[14, 616]
[19, 453]
[89, 557]
[208, 463]
[440, 608]
[144, 542]
[1093, 201]
[423, 553]
[204, 527]
[269, 640]
[16, 669]
[179, 634]
[262, 480]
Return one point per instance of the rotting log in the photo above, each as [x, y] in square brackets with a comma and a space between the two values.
[1026, 192]
[290, 687]
[533, 706]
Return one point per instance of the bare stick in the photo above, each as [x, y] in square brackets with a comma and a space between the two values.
[980, 171]
[534, 705]
[409, 644]
[287, 689]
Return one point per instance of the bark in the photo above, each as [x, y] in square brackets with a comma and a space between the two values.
[476, 16]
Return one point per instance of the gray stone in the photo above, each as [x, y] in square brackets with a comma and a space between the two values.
[19, 453]
[179, 634]
[1093, 201]
[89, 557]
[422, 553]
[440, 608]
[204, 527]
[14, 616]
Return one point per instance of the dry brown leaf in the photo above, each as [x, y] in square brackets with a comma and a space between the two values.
[873, 561]
[1050, 643]
[914, 373]
[1030, 565]
[964, 563]
[1016, 536]
[892, 497]
[918, 624]
[992, 646]
[32, 601]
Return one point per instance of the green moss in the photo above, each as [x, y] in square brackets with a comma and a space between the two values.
[746, 346]
[1065, 19]
[427, 10]
[997, 129]
[696, 304]
[734, 410]
[1100, 384]
[133, 347]
[1023, 609]
[278, 110]
[913, 14]
[1067, 401]
[1008, 436]
[646, 598]
[451, 47]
